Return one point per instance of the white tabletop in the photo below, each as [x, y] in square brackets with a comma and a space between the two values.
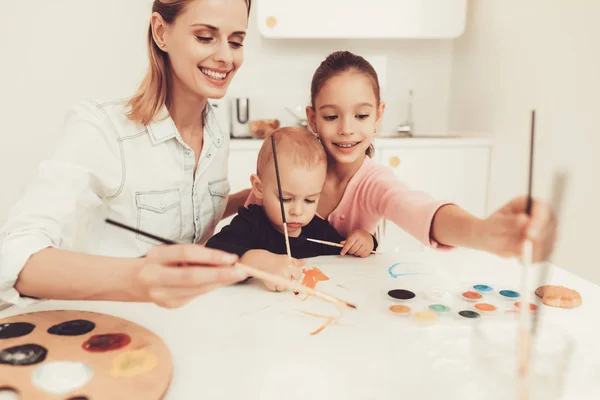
[227, 345]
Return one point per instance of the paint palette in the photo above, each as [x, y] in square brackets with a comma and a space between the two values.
[464, 302]
[80, 355]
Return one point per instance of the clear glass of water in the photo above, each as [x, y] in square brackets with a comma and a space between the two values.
[495, 361]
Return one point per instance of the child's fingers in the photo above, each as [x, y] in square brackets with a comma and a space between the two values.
[355, 248]
[348, 245]
[296, 274]
[365, 252]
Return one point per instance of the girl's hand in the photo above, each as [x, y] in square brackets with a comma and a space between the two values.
[504, 232]
[359, 243]
[172, 275]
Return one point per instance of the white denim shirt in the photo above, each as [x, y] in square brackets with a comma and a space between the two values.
[107, 166]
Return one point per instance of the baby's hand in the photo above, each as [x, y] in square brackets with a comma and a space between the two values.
[360, 244]
[279, 264]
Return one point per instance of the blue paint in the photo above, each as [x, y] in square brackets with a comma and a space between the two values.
[393, 275]
[483, 288]
[509, 293]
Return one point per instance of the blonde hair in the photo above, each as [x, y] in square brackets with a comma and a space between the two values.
[155, 90]
[294, 142]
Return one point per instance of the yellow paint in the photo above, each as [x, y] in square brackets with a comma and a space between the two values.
[132, 363]
[426, 316]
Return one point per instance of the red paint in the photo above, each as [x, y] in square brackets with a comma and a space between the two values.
[532, 307]
[472, 295]
[107, 342]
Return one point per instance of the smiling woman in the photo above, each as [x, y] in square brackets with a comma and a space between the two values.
[157, 161]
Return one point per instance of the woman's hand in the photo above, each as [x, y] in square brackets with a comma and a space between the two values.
[173, 275]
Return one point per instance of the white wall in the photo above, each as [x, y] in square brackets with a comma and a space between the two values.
[55, 52]
[542, 54]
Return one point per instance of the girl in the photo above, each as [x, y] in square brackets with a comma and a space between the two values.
[157, 161]
[345, 111]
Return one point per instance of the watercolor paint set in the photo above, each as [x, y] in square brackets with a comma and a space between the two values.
[79, 355]
[464, 302]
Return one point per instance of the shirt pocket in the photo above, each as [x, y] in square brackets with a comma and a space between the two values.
[159, 213]
[219, 195]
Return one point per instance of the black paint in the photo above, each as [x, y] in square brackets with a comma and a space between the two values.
[15, 329]
[26, 354]
[75, 327]
[401, 294]
[469, 314]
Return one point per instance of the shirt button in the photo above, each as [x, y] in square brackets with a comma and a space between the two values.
[197, 219]
[187, 152]
[208, 156]
[163, 205]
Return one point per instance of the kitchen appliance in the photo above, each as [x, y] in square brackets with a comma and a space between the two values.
[220, 108]
[240, 118]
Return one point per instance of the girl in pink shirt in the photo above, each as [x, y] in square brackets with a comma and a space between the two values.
[345, 112]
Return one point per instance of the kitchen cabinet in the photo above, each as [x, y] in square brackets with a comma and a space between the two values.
[358, 19]
[450, 169]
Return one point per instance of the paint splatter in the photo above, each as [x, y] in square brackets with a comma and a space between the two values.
[106, 342]
[312, 276]
[394, 275]
[15, 330]
[26, 354]
[75, 327]
[60, 377]
[132, 363]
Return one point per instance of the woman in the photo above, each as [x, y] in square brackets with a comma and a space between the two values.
[157, 161]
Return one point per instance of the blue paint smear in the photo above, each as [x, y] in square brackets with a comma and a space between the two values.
[393, 275]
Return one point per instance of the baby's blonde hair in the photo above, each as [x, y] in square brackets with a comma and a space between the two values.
[291, 142]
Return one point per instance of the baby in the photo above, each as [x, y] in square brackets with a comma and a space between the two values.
[256, 233]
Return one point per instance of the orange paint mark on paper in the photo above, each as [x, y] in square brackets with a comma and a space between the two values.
[312, 276]
[329, 320]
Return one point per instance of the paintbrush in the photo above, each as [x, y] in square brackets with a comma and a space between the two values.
[525, 314]
[325, 242]
[265, 276]
[285, 231]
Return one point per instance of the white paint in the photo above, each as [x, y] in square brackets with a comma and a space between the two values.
[6, 394]
[61, 377]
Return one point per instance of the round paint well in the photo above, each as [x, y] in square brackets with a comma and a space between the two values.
[426, 316]
[400, 310]
[8, 393]
[532, 307]
[472, 296]
[509, 294]
[483, 288]
[15, 330]
[469, 314]
[60, 377]
[74, 327]
[485, 307]
[25, 354]
[439, 308]
[437, 295]
[106, 342]
[401, 294]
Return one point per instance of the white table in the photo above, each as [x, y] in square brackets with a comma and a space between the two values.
[226, 346]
